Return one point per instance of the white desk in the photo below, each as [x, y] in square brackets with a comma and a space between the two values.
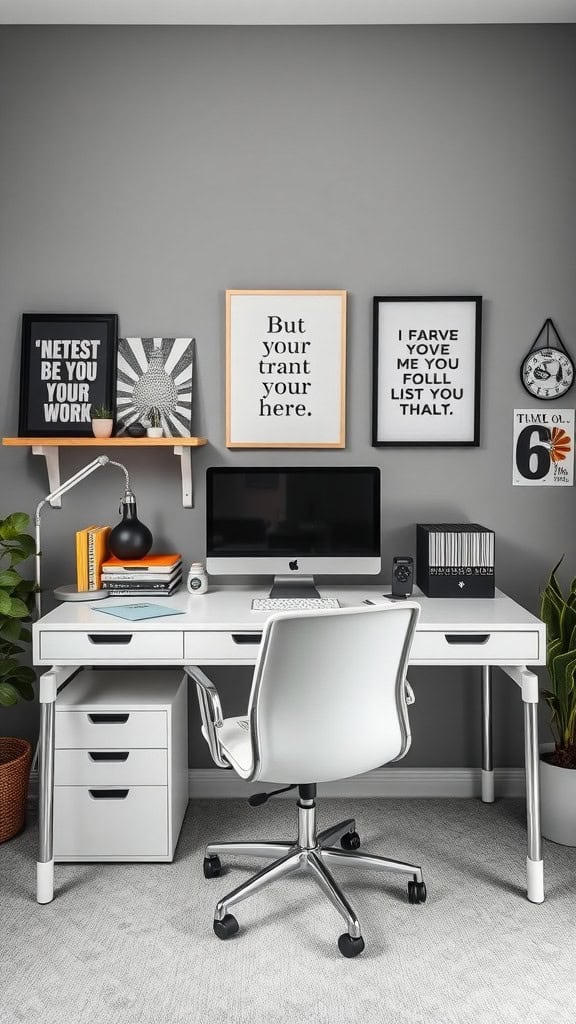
[219, 628]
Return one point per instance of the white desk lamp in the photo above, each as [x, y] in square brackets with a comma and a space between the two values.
[70, 593]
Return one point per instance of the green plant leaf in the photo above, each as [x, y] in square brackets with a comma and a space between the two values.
[17, 522]
[17, 554]
[24, 688]
[550, 612]
[567, 623]
[18, 610]
[27, 543]
[10, 629]
[25, 587]
[24, 674]
[7, 666]
[8, 695]
[9, 579]
[5, 603]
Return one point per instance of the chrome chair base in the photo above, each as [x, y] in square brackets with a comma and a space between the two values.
[313, 853]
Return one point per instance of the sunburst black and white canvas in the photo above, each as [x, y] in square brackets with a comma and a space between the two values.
[155, 373]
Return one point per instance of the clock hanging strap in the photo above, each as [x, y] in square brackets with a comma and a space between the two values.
[547, 326]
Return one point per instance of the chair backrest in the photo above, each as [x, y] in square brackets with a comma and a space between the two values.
[328, 696]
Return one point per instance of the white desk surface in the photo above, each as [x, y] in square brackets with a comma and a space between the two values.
[229, 608]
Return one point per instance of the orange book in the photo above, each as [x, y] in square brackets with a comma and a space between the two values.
[97, 554]
[155, 563]
[82, 558]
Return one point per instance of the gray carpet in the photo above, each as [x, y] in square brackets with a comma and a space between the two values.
[133, 943]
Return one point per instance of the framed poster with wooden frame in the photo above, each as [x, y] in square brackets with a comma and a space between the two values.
[426, 371]
[68, 364]
[285, 368]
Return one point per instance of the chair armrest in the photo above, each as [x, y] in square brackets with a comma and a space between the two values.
[410, 698]
[210, 711]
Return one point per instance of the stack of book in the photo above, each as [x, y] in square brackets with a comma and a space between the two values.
[153, 576]
[91, 552]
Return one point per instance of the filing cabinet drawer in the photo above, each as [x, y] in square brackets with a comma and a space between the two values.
[119, 730]
[111, 768]
[111, 646]
[221, 646]
[110, 823]
[467, 645]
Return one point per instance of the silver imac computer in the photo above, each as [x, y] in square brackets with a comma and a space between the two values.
[292, 524]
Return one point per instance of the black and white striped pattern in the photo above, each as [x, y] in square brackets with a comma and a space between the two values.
[155, 372]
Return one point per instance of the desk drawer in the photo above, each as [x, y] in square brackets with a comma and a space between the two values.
[116, 730]
[113, 823]
[111, 767]
[483, 647]
[221, 646]
[114, 645]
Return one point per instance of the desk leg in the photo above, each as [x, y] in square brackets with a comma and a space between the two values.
[534, 861]
[528, 683]
[487, 750]
[45, 864]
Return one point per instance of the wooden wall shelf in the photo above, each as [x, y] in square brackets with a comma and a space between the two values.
[49, 448]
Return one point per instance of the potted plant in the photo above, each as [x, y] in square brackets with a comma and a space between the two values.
[558, 759]
[16, 596]
[155, 421]
[102, 420]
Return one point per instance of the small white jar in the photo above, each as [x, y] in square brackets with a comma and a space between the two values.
[197, 582]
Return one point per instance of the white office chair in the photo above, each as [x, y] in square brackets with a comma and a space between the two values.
[329, 700]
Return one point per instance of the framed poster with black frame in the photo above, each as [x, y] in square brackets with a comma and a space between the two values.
[426, 371]
[68, 364]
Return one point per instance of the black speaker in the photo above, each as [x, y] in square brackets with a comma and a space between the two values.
[402, 575]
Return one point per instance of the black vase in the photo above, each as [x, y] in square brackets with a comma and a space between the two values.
[130, 539]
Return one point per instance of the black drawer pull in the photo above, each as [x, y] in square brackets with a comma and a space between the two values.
[108, 755]
[467, 638]
[109, 638]
[247, 638]
[108, 794]
[108, 718]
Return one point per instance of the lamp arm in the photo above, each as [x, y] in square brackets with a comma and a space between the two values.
[97, 463]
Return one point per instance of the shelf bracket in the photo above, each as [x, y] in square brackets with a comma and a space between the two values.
[185, 454]
[52, 456]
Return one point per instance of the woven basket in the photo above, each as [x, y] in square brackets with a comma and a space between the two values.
[15, 757]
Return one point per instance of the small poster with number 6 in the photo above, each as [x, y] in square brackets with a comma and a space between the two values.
[543, 447]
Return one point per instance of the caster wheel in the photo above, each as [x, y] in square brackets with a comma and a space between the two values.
[350, 841]
[416, 892]
[227, 927]
[350, 947]
[212, 867]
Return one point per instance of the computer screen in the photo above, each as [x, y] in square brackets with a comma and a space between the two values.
[293, 521]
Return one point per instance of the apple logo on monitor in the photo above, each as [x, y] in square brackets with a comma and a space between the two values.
[294, 564]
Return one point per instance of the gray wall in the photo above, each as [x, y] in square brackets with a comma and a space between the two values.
[144, 171]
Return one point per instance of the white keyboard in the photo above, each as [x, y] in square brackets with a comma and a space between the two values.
[292, 604]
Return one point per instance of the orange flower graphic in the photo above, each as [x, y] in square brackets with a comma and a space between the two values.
[560, 443]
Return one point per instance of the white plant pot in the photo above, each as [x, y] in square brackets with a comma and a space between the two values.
[557, 801]
[154, 431]
[102, 428]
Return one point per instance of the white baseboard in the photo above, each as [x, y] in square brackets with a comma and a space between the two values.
[383, 782]
[218, 783]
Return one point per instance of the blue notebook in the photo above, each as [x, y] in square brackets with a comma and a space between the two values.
[140, 610]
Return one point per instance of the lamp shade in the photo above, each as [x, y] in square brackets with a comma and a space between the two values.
[130, 539]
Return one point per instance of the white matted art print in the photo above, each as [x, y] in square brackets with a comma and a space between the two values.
[426, 384]
[285, 368]
[543, 447]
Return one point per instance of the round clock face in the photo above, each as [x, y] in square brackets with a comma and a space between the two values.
[547, 373]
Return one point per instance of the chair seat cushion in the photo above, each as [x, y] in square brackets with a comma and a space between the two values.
[234, 736]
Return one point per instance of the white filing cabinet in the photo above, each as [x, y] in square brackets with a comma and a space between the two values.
[121, 765]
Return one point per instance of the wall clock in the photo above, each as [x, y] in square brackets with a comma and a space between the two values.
[547, 372]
